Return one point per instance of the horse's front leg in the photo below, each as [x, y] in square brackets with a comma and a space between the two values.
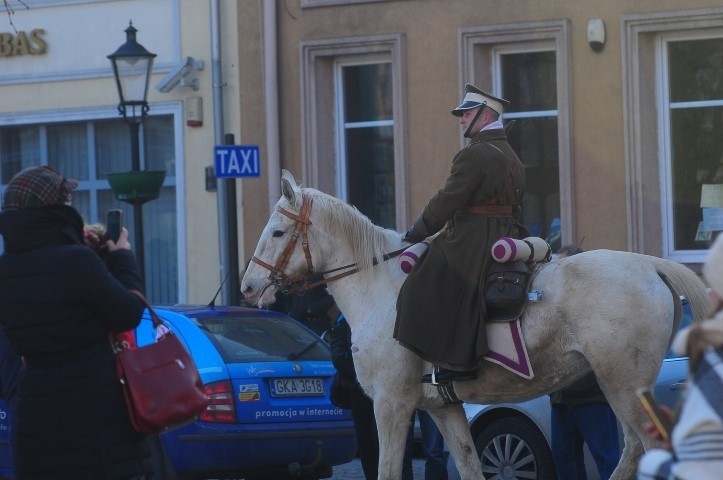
[452, 422]
[392, 417]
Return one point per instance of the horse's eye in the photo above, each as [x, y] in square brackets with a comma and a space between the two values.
[278, 233]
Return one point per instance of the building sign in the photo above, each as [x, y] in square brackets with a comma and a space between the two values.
[23, 43]
[62, 40]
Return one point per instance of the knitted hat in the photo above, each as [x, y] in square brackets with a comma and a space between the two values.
[37, 187]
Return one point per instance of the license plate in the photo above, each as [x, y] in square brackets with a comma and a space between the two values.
[297, 387]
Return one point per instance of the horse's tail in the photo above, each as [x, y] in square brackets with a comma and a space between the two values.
[686, 282]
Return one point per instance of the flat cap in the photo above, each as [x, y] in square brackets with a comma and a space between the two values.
[37, 187]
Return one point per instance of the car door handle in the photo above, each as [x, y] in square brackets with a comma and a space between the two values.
[682, 385]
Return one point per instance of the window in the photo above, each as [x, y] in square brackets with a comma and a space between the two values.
[528, 80]
[365, 144]
[672, 100]
[528, 65]
[328, 3]
[353, 139]
[692, 97]
[88, 151]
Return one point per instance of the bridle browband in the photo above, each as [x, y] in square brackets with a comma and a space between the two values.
[299, 283]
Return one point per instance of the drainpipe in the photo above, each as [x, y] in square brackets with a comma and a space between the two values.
[226, 187]
[271, 101]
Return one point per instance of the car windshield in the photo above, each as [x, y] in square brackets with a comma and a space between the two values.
[263, 339]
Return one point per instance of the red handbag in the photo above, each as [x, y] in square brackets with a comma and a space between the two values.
[161, 384]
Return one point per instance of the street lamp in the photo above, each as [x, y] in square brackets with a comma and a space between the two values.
[132, 65]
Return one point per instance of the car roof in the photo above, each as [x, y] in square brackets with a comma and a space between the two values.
[201, 311]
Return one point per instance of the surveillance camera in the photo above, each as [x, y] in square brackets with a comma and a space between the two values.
[178, 75]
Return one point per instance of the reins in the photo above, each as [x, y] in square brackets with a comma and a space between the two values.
[308, 286]
[298, 283]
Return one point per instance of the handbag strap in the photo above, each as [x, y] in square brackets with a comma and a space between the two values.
[157, 322]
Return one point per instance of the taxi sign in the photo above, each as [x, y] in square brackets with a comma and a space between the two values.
[237, 161]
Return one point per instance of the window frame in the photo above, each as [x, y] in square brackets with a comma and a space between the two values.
[92, 114]
[343, 126]
[664, 139]
[479, 47]
[644, 152]
[319, 128]
[330, 3]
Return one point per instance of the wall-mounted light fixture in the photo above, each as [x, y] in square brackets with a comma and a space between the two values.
[596, 34]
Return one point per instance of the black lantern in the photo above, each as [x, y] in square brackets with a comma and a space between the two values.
[132, 65]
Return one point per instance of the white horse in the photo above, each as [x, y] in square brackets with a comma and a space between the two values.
[610, 311]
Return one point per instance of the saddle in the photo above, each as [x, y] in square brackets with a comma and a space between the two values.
[505, 285]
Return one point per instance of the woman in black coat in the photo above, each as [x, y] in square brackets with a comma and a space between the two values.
[58, 303]
[362, 407]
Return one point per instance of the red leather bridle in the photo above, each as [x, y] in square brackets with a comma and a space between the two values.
[301, 227]
[299, 283]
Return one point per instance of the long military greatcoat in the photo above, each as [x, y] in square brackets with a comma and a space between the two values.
[439, 312]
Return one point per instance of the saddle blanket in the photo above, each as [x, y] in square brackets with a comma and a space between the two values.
[507, 348]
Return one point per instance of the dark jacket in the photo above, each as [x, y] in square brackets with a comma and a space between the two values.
[440, 316]
[9, 372]
[310, 308]
[58, 303]
[584, 391]
[340, 342]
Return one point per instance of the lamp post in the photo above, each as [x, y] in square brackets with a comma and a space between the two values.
[132, 65]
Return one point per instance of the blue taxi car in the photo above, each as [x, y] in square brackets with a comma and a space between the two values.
[5, 468]
[268, 378]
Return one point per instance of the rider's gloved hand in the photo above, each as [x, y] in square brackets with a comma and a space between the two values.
[412, 236]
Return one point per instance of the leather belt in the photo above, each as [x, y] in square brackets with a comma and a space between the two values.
[489, 209]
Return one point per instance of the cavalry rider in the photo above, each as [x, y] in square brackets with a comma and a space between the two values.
[440, 310]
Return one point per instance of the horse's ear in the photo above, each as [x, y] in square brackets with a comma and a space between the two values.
[289, 189]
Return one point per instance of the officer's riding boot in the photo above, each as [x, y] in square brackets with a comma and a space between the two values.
[443, 375]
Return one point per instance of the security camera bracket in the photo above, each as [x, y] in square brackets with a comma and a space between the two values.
[182, 75]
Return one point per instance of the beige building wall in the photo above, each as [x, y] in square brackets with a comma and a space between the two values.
[75, 76]
[433, 79]
[614, 199]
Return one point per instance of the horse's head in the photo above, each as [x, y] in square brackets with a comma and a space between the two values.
[283, 254]
[310, 231]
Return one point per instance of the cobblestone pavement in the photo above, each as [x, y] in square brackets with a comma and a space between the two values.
[353, 470]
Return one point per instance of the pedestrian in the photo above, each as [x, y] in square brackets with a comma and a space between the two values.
[580, 414]
[58, 304]
[361, 406]
[695, 448]
[310, 307]
[10, 366]
[440, 312]
[347, 393]
[435, 456]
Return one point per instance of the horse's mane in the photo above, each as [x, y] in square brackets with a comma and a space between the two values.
[367, 241]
